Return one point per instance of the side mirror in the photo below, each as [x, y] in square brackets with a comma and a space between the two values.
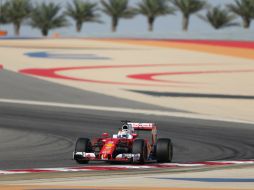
[135, 135]
[105, 135]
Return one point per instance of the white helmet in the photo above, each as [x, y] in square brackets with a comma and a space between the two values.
[123, 134]
[126, 128]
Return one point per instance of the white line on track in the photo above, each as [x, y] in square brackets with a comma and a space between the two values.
[125, 110]
[126, 167]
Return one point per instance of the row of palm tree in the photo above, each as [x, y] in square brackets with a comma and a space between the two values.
[47, 16]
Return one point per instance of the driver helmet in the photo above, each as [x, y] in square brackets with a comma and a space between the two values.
[126, 128]
[126, 131]
[123, 134]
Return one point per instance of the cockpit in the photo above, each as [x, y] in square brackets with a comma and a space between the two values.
[125, 132]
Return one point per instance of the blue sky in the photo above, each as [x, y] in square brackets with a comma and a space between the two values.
[165, 27]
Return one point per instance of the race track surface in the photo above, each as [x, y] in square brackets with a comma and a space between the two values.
[17, 86]
[36, 137]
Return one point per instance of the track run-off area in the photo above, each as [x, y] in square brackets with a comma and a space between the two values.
[199, 93]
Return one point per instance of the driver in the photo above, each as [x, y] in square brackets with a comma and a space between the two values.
[125, 132]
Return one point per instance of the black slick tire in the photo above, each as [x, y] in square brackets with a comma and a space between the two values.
[164, 150]
[139, 147]
[82, 145]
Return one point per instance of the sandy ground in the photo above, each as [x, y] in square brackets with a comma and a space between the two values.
[215, 179]
[122, 67]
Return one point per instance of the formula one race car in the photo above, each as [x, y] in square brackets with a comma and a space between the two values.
[131, 144]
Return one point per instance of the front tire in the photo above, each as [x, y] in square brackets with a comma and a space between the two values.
[82, 145]
[139, 147]
[164, 150]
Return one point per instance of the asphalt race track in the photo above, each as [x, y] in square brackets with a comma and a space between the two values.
[38, 137]
[41, 137]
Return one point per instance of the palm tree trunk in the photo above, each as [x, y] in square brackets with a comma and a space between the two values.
[185, 23]
[150, 23]
[79, 26]
[114, 24]
[246, 23]
[17, 29]
[45, 32]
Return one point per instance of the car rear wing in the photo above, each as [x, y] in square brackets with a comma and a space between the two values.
[144, 127]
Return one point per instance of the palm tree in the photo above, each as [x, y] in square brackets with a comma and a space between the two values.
[82, 12]
[3, 19]
[245, 9]
[188, 7]
[46, 17]
[153, 9]
[117, 9]
[219, 18]
[16, 12]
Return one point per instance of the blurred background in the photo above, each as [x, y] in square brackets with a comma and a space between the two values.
[169, 26]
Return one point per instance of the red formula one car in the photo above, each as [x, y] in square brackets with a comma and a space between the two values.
[134, 143]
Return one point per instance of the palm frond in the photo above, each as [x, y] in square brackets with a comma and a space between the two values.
[3, 18]
[118, 8]
[219, 18]
[188, 7]
[18, 10]
[154, 8]
[242, 7]
[83, 11]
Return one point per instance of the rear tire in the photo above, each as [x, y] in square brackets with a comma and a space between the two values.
[164, 150]
[139, 147]
[82, 145]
